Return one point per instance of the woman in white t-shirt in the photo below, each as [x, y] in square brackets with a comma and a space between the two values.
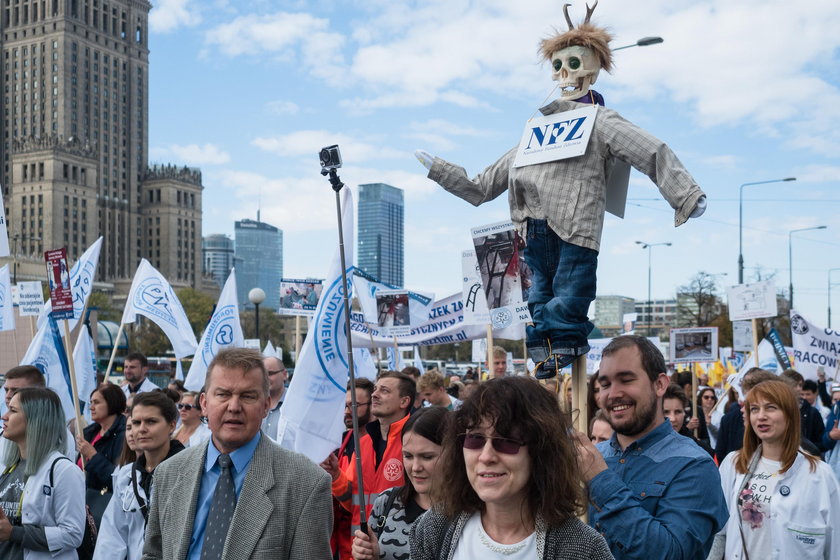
[508, 484]
[783, 503]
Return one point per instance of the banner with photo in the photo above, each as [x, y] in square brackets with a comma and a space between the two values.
[444, 324]
[472, 295]
[299, 297]
[814, 347]
[694, 345]
[628, 323]
[392, 316]
[504, 275]
[366, 288]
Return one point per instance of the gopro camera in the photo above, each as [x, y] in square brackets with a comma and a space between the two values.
[330, 159]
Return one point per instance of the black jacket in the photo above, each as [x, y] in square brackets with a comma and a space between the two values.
[100, 467]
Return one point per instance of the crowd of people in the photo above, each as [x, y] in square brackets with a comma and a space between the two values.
[454, 468]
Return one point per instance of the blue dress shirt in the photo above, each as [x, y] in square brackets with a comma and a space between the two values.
[659, 498]
[241, 460]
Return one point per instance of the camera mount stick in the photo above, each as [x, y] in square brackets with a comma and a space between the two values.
[337, 185]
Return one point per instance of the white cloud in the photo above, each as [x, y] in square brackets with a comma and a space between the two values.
[283, 107]
[168, 15]
[309, 142]
[820, 174]
[192, 154]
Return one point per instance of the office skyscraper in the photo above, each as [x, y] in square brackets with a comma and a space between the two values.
[218, 253]
[380, 235]
[258, 261]
[75, 142]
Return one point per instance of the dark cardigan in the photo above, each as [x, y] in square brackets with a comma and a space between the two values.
[100, 467]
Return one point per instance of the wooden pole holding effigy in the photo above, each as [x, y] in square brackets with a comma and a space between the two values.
[579, 394]
[489, 352]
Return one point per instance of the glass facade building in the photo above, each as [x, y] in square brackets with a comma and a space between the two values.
[258, 261]
[380, 232]
[217, 251]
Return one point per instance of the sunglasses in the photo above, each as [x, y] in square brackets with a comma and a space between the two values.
[477, 441]
[186, 407]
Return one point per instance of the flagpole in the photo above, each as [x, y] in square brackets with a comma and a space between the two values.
[694, 399]
[32, 326]
[379, 361]
[116, 343]
[755, 342]
[73, 387]
[396, 353]
[337, 185]
[14, 341]
[489, 352]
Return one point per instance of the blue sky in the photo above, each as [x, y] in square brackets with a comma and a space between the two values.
[741, 91]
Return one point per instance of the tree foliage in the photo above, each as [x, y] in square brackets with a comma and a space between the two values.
[698, 303]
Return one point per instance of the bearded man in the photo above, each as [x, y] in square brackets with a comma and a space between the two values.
[653, 493]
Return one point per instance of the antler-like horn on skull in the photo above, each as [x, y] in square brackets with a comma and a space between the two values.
[568, 19]
[589, 11]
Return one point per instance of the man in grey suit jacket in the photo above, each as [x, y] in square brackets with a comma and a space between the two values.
[283, 500]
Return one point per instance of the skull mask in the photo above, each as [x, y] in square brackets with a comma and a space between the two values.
[576, 69]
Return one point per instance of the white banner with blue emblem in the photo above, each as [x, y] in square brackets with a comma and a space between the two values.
[7, 308]
[153, 297]
[312, 415]
[222, 331]
[81, 282]
[46, 352]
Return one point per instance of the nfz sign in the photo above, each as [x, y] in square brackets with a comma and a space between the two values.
[555, 137]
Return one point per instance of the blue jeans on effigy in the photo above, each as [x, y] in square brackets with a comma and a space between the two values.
[562, 287]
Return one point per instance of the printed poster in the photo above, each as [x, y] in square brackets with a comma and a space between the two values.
[694, 345]
[299, 297]
[392, 311]
[59, 277]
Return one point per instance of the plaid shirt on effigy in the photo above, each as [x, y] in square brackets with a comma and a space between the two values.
[571, 193]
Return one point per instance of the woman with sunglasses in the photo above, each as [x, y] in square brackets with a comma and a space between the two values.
[783, 503]
[396, 509]
[509, 483]
[42, 493]
[121, 534]
[706, 401]
[193, 430]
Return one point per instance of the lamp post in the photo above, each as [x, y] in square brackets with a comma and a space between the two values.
[741, 221]
[790, 256]
[829, 294]
[643, 42]
[257, 296]
[649, 247]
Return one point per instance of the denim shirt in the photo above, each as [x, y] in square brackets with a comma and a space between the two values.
[659, 498]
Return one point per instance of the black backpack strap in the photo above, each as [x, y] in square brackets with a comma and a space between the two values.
[52, 468]
[389, 503]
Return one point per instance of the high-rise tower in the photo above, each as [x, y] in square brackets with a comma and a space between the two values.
[380, 236]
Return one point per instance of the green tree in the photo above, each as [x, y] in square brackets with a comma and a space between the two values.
[198, 306]
[104, 305]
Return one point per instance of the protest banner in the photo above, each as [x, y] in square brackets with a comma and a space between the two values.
[366, 289]
[81, 282]
[501, 263]
[742, 336]
[814, 347]
[476, 311]
[628, 321]
[58, 275]
[694, 345]
[299, 297]
[752, 301]
[30, 298]
[392, 313]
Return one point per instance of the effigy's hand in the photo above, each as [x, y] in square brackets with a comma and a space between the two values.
[700, 208]
[425, 158]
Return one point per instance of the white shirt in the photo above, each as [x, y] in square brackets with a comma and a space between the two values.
[144, 387]
[757, 508]
[475, 543]
[122, 530]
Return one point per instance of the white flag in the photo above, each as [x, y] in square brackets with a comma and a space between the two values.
[269, 351]
[365, 288]
[179, 370]
[7, 308]
[152, 296]
[4, 230]
[418, 361]
[81, 282]
[395, 361]
[222, 331]
[84, 359]
[46, 352]
[364, 365]
[312, 415]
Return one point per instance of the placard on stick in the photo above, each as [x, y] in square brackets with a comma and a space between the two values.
[58, 274]
[694, 345]
[752, 301]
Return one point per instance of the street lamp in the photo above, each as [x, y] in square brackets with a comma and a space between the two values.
[741, 221]
[257, 296]
[790, 255]
[649, 247]
[829, 294]
[15, 238]
[643, 42]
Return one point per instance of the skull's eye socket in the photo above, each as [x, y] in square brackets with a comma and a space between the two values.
[574, 63]
[557, 65]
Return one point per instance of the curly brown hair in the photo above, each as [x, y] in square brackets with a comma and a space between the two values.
[518, 408]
